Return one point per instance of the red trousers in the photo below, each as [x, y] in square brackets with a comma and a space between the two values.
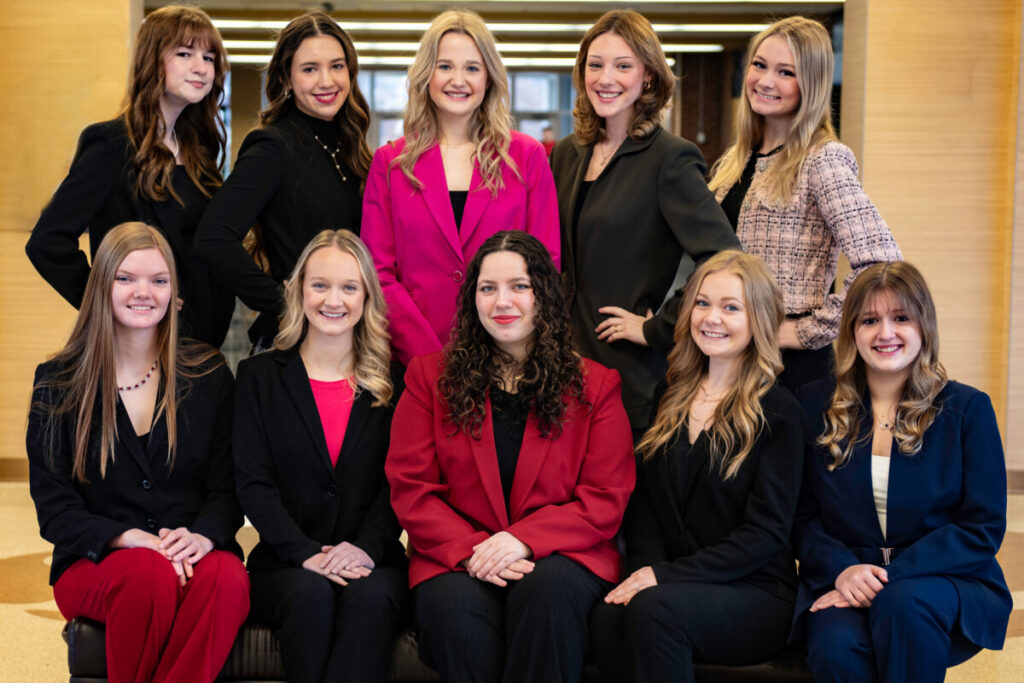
[157, 629]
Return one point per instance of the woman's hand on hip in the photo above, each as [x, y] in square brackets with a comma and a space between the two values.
[621, 324]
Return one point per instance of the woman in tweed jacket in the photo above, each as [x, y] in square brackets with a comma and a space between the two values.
[790, 190]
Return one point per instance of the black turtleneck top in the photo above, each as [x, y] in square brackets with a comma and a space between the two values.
[284, 181]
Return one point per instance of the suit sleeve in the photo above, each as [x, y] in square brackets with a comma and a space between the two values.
[607, 477]
[645, 540]
[698, 223]
[53, 246]
[858, 228]
[233, 210]
[411, 333]
[220, 516]
[969, 541]
[64, 518]
[254, 476]
[418, 491]
[768, 514]
[542, 203]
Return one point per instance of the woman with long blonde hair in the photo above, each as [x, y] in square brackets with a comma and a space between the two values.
[791, 192]
[129, 447]
[301, 172]
[158, 162]
[707, 530]
[311, 432]
[459, 175]
[903, 505]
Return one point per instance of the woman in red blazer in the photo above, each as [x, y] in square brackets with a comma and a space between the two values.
[510, 467]
[459, 175]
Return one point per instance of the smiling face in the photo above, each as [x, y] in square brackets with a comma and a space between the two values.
[505, 302]
[614, 78]
[188, 75]
[141, 291]
[771, 86]
[319, 77]
[719, 322]
[333, 294]
[459, 81]
[888, 340]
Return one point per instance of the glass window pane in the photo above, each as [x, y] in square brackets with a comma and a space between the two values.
[387, 130]
[535, 92]
[389, 92]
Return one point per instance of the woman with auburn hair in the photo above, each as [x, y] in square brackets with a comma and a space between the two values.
[459, 175]
[790, 190]
[890, 439]
[311, 434]
[510, 472]
[157, 162]
[635, 209]
[129, 447]
[300, 173]
[707, 530]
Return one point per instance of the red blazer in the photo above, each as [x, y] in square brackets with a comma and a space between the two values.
[568, 495]
[421, 254]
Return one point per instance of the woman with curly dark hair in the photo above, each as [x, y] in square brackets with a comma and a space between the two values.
[510, 468]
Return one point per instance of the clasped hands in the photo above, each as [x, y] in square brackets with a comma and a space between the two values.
[499, 559]
[856, 586]
[183, 548]
[340, 563]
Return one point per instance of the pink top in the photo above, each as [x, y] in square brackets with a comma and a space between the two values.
[334, 403]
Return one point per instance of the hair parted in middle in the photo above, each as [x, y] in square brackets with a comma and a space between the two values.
[918, 406]
[491, 125]
[353, 118]
[552, 374]
[199, 128]
[738, 418]
[639, 35]
[812, 123]
[370, 339]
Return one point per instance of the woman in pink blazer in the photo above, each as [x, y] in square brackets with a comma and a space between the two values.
[510, 466]
[458, 176]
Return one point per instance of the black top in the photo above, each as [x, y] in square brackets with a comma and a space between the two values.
[509, 412]
[581, 199]
[733, 201]
[458, 199]
[688, 524]
[97, 194]
[285, 182]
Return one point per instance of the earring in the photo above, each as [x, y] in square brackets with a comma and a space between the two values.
[287, 93]
[647, 85]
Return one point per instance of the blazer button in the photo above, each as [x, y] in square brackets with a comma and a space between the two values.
[151, 523]
[332, 490]
[91, 555]
[147, 484]
[457, 276]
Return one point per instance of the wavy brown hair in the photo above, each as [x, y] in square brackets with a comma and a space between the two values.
[739, 417]
[491, 125]
[370, 339]
[199, 128]
[353, 119]
[552, 374]
[918, 406]
[85, 384]
[639, 35]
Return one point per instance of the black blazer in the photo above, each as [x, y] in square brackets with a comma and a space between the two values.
[139, 490]
[293, 496]
[99, 193]
[646, 219]
[723, 531]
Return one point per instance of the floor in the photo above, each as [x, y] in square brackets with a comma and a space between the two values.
[30, 624]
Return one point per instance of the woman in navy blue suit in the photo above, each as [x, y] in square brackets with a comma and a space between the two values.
[903, 505]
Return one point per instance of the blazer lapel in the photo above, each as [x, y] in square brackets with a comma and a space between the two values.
[486, 458]
[296, 381]
[476, 202]
[532, 454]
[354, 429]
[661, 483]
[583, 154]
[130, 440]
[430, 170]
[860, 462]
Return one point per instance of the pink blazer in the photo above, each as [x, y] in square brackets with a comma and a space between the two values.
[421, 255]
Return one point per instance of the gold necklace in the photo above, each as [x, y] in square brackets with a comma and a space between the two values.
[607, 151]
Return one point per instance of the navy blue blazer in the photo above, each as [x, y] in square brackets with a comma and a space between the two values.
[946, 510]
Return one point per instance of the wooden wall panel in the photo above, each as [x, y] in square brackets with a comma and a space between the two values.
[1015, 373]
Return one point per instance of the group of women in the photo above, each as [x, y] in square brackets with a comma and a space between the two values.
[480, 368]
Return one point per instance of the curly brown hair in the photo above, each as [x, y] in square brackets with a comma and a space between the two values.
[551, 376]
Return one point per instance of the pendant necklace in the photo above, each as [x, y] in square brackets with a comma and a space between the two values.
[333, 154]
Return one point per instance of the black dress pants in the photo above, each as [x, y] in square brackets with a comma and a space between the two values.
[330, 632]
[661, 632]
[532, 631]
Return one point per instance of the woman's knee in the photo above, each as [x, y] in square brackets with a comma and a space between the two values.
[144, 576]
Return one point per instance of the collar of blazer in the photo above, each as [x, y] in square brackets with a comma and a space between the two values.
[430, 170]
[628, 146]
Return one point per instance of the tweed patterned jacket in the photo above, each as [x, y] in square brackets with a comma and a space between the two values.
[800, 241]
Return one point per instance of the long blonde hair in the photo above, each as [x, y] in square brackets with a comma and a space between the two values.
[738, 418]
[918, 405]
[491, 125]
[86, 371]
[371, 342]
[812, 123]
